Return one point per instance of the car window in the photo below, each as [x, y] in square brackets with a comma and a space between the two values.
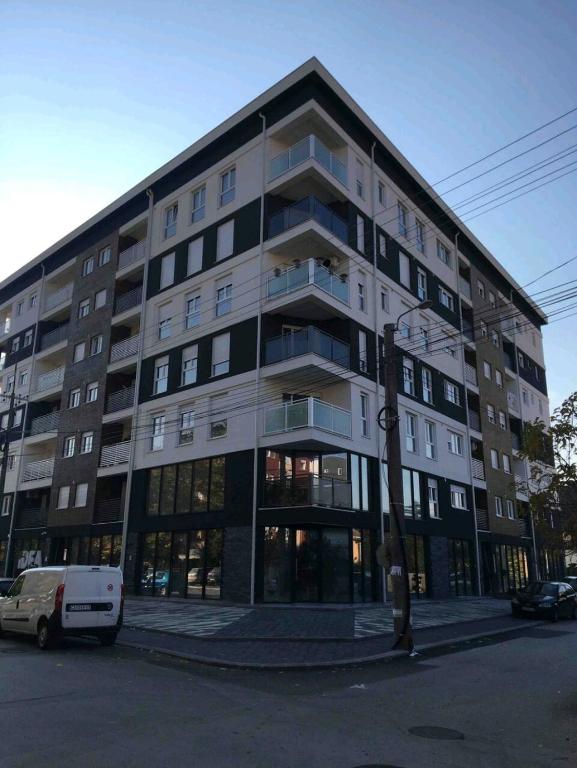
[16, 588]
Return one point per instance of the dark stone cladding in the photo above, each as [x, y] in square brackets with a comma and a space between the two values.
[439, 585]
[87, 416]
[236, 564]
[23, 352]
[242, 359]
[246, 236]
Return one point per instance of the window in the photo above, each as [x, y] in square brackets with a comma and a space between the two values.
[218, 422]
[360, 233]
[364, 415]
[19, 308]
[92, 392]
[27, 338]
[411, 432]
[16, 344]
[225, 240]
[494, 458]
[63, 497]
[403, 219]
[495, 339]
[404, 270]
[408, 376]
[363, 366]
[382, 240]
[498, 506]
[452, 393]
[189, 365]
[443, 253]
[427, 381]
[192, 311]
[425, 338]
[420, 236]
[74, 398]
[69, 446]
[170, 217]
[18, 417]
[220, 354]
[446, 299]
[412, 494]
[100, 299]
[88, 266]
[360, 186]
[81, 495]
[96, 345]
[506, 464]
[458, 497]
[164, 320]
[104, 256]
[79, 352]
[160, 376]
[194, 259]
[430, 440]
[502, 420]
[198, 204]
[491, 413]
[492, 301]
[498, 378]
[167, 270]
[227, 187]
[84, 308]
[6, 505]
[10, 383]
[86, 442]
[381, 193]
[186, 431]
[223, 298]
[158, 422]
[23, 378]
[525, 397]
[455, 443]
[481, 288]
[33, 301]
[385, 300]
[483, 327]
[433, 496]
[487, 373]
[421, 284]
[510, 509]
[451, 348]
[361, 293]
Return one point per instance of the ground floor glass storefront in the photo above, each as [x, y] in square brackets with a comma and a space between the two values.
[461, 567]
[316, 564]
[505, 567]
[181, 564]
[417, 566]
[86, 550]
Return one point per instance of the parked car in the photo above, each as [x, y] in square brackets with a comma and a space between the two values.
[553, 599]
[571, 580]
[160, 579]
[83, 600]
[5, 585]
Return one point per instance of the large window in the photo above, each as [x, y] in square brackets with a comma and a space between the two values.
[461, 567]
[412, 494]
[227, 185]
[193, 486]
[221, 354]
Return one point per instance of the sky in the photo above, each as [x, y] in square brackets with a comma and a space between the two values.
[94, 96]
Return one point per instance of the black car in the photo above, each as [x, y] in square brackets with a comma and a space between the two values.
[5, 585]
[572, 581]
[553, 599]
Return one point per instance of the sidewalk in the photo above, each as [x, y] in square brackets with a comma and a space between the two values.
[296, 637]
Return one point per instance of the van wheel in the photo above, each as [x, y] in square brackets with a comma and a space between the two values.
[43, 635]
[109, 638]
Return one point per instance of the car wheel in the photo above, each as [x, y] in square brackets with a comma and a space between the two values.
[109, 638]
[43, 635]
[554, 614]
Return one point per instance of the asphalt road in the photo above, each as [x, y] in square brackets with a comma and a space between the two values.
[512, 701]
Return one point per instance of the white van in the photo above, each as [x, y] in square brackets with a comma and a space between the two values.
[65, 600]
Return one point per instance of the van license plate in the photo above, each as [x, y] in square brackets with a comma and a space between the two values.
[79, 607]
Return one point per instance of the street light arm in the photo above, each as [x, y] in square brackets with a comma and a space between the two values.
[423, 305]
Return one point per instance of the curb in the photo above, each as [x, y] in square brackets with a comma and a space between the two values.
[381, 657]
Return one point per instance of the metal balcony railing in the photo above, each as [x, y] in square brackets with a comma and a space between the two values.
[308, 412]
[32, 517]
[50, 379]
[131, 255]
[523, 525]
[61, 296]
[471, 375]
[304, 210]
[474, 421]
[128, 300]
[107, 511]
[465, 287]
[119, 453]
[47, 423]
[308, 490]
[38, 470]
[118, 401]
[54, 337]
[308, 272]
[509, 362]
[305, 341]
[309, 148]
[478, 469]
[482, 519]
[125, 348]
[468, 332]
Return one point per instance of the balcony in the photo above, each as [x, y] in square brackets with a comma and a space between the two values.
[128, 300]
[125, 348]
[308, 272]
[512, 401]
[38, 470]
[465, 287]
[471, 375]
[474, 421]
[54, 337]
[118, 401]
[107, 511]
[482, 519]
[59, 297]
[523, 525]
[50, 379]
[308, 412]
[111, 455]
[308, 340]
[47, 423]
[467, 331]
[307, 491]
[308, 209]
[131, 255]
[32, 517]
[478, 468]
[309, 148]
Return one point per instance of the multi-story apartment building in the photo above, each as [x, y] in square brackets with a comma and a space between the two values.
[198, 372]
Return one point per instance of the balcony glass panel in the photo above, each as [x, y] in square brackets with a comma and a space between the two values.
[309, 412]
[302, 342]
[305, 149]
[304, 210]
[306, 273]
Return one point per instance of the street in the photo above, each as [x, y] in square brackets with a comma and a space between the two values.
[512, 701]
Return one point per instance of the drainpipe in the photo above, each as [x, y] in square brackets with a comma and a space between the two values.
[477, 550]
[135, 409]
[255, 468]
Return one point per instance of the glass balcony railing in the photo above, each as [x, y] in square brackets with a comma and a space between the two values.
[308, 490]
[307, 273]
[308, 340]
[309, 148]
[309, 208]
[308, 412]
